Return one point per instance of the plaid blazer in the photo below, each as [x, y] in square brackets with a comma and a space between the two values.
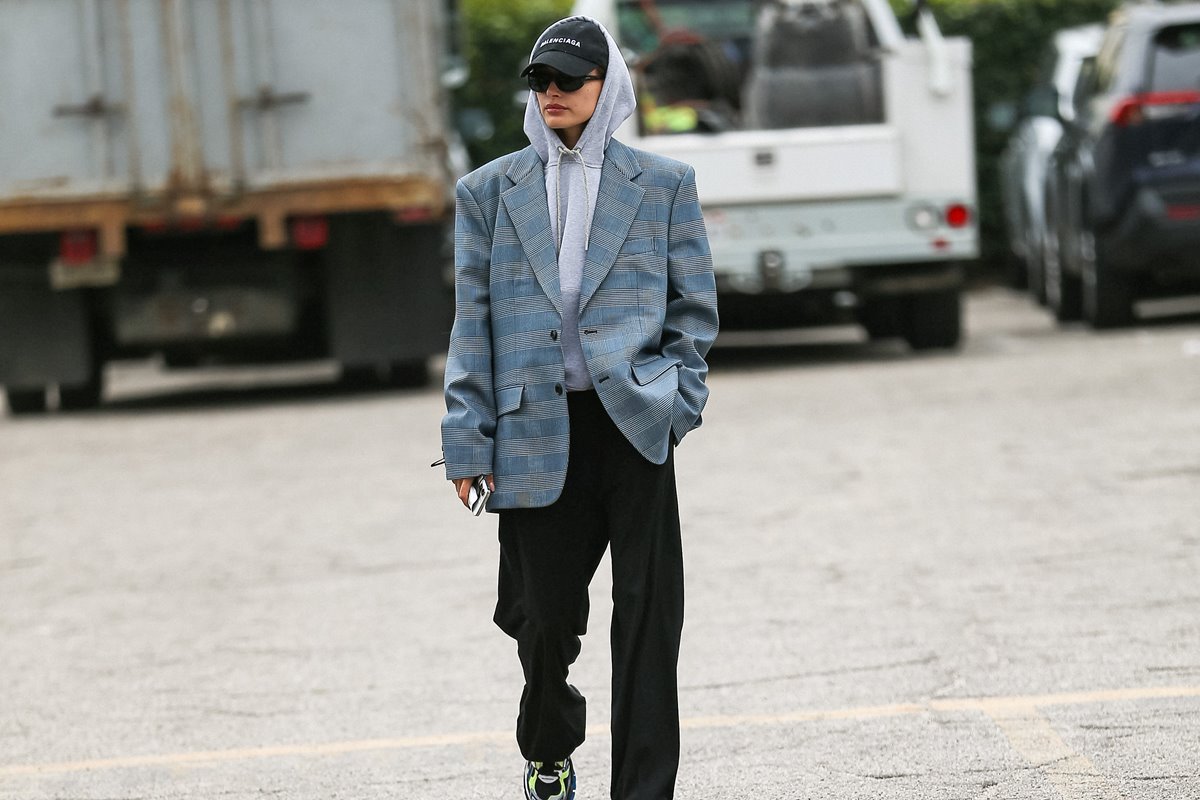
[648, 315]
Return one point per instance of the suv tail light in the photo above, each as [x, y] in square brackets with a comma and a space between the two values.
[1138, 108]
[77, 247]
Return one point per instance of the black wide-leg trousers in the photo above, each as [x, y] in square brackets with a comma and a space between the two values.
[613, 497]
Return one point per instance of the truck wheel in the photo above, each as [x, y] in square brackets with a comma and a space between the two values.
[362, 376]
[933, 320]
[882, 317]
[1107, 296]
[25, 401]
[81, 397]
[409, 374]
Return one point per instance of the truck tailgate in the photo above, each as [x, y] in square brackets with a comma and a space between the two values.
[788, 165]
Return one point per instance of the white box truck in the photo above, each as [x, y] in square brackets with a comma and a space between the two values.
[237, 179]
[834, 155]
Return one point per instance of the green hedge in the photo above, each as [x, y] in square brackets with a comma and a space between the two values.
[499, 35]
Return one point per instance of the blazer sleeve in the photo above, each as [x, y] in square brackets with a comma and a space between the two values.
[469, 425]
[691, 320]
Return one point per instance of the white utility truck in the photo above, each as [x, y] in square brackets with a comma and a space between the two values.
[245, 180]
[834, 156]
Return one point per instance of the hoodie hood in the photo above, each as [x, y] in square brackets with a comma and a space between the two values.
[615, 105]
[572, 190]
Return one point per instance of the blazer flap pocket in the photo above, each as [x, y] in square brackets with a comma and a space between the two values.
[508, 399]
[648, 371]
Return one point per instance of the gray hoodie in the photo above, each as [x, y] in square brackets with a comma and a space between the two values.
[572, 187]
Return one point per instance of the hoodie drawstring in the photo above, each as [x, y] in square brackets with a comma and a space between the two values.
[587, 195]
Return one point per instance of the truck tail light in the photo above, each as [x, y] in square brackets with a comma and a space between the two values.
[958, 215]
[1136, 109]
[1183, 213]
[414, 215]
[78, 247]
[310, 233]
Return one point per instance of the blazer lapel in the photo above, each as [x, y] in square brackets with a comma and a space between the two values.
[529, 210]
[616, 206]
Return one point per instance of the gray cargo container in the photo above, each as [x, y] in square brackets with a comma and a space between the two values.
[239, 179]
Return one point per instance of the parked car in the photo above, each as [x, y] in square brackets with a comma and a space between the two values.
[1024, 161]
[1126, 183]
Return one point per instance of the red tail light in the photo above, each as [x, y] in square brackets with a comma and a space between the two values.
[78, 247]
[1136, 109]
[310, 233]
[1184, 213]
[414, 215]
[958, 215]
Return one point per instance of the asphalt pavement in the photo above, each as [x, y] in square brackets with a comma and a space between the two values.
[951, 575]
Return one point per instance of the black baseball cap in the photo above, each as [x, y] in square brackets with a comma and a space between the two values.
[574, 47]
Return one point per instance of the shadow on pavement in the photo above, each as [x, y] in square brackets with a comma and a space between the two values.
[146, 387]
[738, 350]
[227, 397]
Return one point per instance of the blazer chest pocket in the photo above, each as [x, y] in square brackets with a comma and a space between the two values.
[508, 399]
[633, 247]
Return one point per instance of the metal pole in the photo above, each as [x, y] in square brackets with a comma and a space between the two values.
[128, 77]
[237, 145]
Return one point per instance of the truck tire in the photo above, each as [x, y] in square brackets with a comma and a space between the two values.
[25, 401]
[1107, 296]
[81, 397]
[409, 374]
[882, 317]
[933, 320]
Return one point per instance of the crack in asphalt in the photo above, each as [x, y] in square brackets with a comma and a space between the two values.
[916, 662]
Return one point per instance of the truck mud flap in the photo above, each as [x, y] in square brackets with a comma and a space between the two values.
[387, 301]
[45, 336]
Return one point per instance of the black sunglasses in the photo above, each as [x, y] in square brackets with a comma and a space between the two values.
[540, 81]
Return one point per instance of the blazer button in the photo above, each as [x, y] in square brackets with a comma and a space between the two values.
[558, 388]
[554, 336]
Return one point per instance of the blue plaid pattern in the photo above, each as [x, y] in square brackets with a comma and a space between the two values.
[648, 317]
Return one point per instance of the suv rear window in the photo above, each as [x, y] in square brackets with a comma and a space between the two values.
[1176, 60]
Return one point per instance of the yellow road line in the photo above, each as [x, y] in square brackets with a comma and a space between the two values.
[1030, 737]
[250, 753]
[996, 704]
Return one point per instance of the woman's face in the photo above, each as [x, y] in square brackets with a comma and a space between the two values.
[568, 112]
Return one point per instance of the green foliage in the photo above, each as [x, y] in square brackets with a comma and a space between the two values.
[1010, 38]
[499, 35]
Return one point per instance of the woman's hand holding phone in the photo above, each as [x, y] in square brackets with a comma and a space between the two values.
[474, 492]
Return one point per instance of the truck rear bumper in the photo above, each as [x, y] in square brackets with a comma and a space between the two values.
[884, 245]
[861, 281]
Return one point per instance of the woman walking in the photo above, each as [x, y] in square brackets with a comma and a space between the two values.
[585, 306]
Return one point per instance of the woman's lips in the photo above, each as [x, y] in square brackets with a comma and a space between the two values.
[555, 107]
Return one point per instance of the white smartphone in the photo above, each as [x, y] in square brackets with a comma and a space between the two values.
[478, 495]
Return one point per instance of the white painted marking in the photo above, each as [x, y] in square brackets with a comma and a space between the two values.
[1031, 735]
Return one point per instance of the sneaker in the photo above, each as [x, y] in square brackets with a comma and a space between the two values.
[550, 780]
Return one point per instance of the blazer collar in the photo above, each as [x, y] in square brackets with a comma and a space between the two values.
[616, 206]
[529, 211]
